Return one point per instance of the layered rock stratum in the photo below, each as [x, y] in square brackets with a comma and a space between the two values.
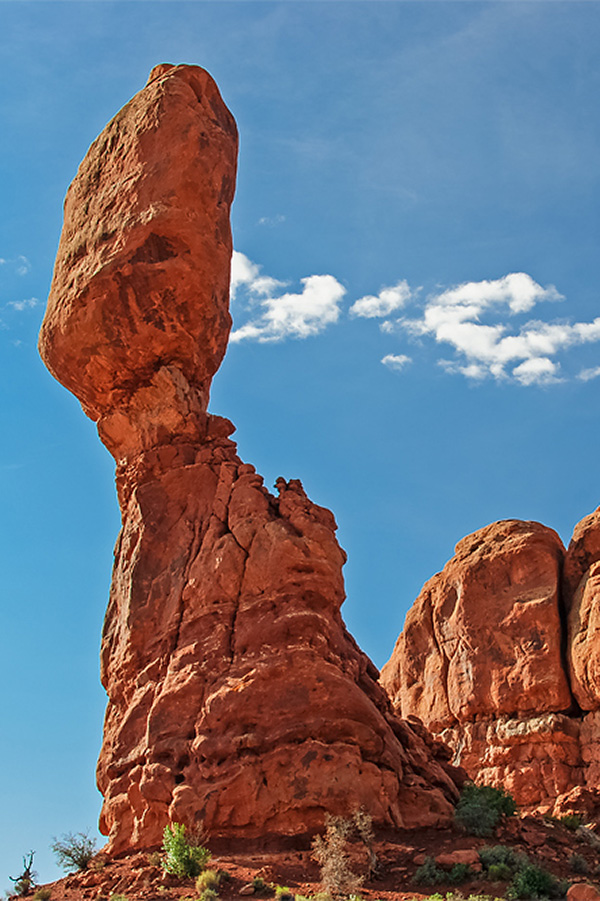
[500, 657]
[236, 697]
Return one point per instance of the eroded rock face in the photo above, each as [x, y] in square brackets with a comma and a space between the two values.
[479, 661]
[236, 696]
[483, 637]
[500, 657]
[581, 590]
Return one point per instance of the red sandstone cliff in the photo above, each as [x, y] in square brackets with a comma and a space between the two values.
[499, 657]
[235, 694]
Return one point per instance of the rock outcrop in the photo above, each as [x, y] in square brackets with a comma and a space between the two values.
[499, 657]
[236, 697]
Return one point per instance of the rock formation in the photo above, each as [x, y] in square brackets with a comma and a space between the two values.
[499, 657]
[235, 695]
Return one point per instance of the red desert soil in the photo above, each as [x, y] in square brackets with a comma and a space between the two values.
[547, 843]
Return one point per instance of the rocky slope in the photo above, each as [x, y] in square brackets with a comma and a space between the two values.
[236, 697]
[499, 657]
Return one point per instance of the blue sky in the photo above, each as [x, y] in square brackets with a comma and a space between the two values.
[418, 185]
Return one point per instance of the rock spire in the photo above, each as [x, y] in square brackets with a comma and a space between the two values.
[236, 697]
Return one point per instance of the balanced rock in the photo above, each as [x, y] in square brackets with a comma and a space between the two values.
[236, 697]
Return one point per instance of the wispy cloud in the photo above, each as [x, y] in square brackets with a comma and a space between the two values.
[272, 221]
[587, 375]
[21, 305]
[21, 264]
[396, 361]
[383, 304]
[283, 315]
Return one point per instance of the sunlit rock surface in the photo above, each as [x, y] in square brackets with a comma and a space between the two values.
[236, 696]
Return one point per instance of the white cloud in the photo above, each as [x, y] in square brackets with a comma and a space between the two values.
[587, 374]
[387, 301]
[537, 371]
[271, 221]
[493, 348]
[517, 290]
[396, 361]
[21, 264]
[245, 273]
[21, 305]
[287, 315]
[479, 321]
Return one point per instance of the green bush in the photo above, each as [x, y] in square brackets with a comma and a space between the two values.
[480, 807]
[118, 898]
[499, 872]
[571, 820]
[282, 893]
[534, 882]
[42, 894]
[460, 872]
[501, 854]
[74, 850]
[578, 864]
[180, 857]
[208, 879]
[209, 894]
[429, 873]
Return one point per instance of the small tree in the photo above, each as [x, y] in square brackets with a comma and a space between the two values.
[331, 855]
[181, 858]
[363, 823]
[26, 880]
[74, 851]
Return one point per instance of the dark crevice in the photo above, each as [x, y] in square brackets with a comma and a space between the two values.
[155, 249]
[574, 710]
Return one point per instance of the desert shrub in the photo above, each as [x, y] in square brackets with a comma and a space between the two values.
[118, 898]
[42, 894]
[480, 898]
[363, 824]
[501, 854]
[258, 883]
[208, 879]
[499, 872]
[460, 872]
[480, 807]
[25, 881]
[534, 882]
[578, 864]
[282, 893]
[180, 857]
[330, 853]
[429, 873]
[571, 820]
[74, 850]
[155, 859]
[208, 894]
